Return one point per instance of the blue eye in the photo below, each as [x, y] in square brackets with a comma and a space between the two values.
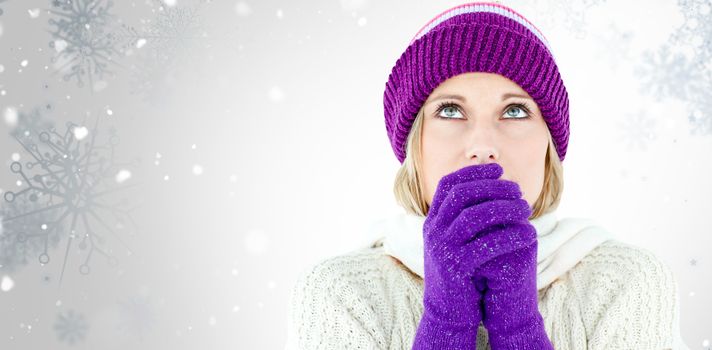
[454, 108]
[516, 108]
[447, 106]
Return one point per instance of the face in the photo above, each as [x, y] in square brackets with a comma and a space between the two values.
[477, 118]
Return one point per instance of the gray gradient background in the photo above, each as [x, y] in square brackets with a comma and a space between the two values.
[283, 102]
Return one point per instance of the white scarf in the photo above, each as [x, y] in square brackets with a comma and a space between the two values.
[561, 243]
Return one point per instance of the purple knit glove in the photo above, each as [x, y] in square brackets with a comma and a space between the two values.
[467, 203]
[511, 314]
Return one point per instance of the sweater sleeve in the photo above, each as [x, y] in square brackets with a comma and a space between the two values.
[326, 311]
[629, 300]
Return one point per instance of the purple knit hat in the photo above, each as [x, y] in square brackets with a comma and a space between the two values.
[475, 37]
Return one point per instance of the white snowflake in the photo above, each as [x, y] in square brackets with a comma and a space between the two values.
[696, 33]
[614, 44]
[696, 30]
[568, 15]
[637, 130]
[668, 72]
[700, 117]
[665, 74]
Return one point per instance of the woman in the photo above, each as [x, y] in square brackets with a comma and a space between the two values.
[477, 114]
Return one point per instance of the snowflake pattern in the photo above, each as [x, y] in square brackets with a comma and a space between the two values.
[71, 327]
[136, 317]
[696, 30]
[89, 41]
[24, 237]
[1, 10]
[699, 117]
[174, 28]
[666, 74]
[616, 43]
[570, 15]
[669, 73]
[168, 46]
[72, 176]
[28, 123]
[637, 130]
[83, 41]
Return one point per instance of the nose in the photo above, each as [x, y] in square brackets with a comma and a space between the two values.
[480, 145]
[482, 154]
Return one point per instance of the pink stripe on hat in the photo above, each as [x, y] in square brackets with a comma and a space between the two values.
[481, 6]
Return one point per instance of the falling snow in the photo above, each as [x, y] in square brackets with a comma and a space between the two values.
[243, 9]
[256, 242]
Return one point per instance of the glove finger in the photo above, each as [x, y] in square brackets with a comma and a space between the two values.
[511, 270]
[480, 284]
[496, 243]
[499, 306]
[468, 173]
[475, 192]
[516, 287]
[475, 219]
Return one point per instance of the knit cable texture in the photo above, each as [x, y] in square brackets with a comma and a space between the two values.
[619, 296]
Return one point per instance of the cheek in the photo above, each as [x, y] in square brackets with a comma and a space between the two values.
[430, 180]
[527, 143]
[530, 177]
[531, 189]
[521, 130]
[437, 138]
[527, 159]
[433, 169]
[439, 152]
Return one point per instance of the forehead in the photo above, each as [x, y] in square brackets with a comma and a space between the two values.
[481, 80]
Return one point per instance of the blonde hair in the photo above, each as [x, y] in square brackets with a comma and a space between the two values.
[408, 188]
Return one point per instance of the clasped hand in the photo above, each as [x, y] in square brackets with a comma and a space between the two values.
[480, 264]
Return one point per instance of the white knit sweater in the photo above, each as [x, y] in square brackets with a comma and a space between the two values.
[618, 296]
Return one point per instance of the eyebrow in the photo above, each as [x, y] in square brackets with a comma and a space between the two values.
[464, 100]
